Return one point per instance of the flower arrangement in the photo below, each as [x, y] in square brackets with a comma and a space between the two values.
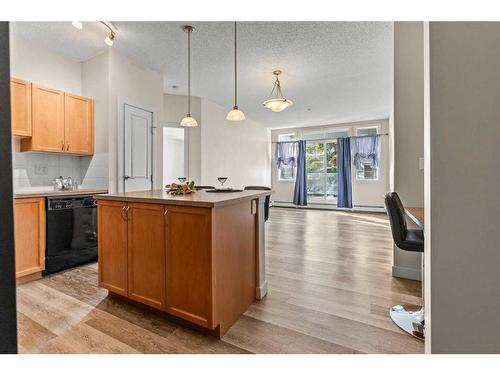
[180, 189]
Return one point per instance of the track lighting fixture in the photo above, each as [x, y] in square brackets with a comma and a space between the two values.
[110, 39]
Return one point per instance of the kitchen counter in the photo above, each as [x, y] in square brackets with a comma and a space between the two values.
[52, 193]
[200, 198]
[199, 257]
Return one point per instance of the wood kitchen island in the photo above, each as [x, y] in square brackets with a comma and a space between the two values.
[199, 257]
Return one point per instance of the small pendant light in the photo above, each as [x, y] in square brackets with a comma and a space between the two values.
[278, 103]
[189, 121]
[235, 114]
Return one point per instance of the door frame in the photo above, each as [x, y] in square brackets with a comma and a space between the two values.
[122, 102]
[170, 124]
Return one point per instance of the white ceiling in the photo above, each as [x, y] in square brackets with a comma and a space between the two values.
[333, 71]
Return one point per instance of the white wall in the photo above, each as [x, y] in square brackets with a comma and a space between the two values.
[31, 62]
[464, 186]
[408, 131]
[238, 150]
[131, 84]
[368, 194]
[174, 109]
[35, 171]
[95, 84]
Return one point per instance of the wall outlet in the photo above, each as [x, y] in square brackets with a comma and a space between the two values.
[421, 164]
[41, 169]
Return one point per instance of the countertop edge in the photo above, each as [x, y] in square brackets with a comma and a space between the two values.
[174, 202]
[44, 194]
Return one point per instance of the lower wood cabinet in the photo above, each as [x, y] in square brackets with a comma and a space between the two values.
[197, 263]
[29, 228]
[112, 246]
[146, 254]
[158, 255]
[189, 264]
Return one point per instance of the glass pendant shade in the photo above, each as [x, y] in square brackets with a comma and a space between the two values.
[277, 105]
[235, 115]
[189, 122]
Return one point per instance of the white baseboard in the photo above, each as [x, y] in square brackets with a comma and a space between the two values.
[407, 273]
[331, 207]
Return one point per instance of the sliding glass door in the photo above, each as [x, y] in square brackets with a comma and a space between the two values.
[321, 167]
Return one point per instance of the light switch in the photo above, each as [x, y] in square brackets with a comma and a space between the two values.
[421, 164]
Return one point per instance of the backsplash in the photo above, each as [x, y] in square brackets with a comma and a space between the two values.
[35, 171]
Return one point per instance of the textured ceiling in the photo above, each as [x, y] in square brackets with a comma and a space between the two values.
[333, 71]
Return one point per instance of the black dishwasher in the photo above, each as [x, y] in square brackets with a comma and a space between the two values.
[71, 238]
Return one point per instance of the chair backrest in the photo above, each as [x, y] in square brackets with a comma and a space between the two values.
[200, 187]
[268, 198]
[397, 217]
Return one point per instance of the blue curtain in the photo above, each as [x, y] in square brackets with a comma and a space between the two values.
[344, 199]
[300, 193]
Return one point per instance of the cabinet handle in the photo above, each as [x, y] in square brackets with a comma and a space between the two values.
[122, 212]
[62, 145]
[165, 213]
[126, 212]
[67, 147]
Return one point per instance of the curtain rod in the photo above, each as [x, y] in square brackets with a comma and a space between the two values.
[329, 139]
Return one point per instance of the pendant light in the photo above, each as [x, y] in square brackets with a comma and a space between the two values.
[189, 121]
[278, 103]
[235, 114]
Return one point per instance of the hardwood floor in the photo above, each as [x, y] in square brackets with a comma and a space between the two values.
[330, 289]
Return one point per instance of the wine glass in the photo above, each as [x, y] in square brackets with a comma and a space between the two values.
[222, 180]
[182, 179]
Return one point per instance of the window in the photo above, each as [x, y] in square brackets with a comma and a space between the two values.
[321, 164]
[366, 171]
[286, 172]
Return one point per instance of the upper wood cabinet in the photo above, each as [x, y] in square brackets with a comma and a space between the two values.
[60, 122]
[29, 228]
[47, 119]
[20, 107]
[79, 124]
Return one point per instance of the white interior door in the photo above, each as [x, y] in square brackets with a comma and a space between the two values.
[137, 149]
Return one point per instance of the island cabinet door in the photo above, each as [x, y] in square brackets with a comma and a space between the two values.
[189, 264]
[112, 246]
[146, 254]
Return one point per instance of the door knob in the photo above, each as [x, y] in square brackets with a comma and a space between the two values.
[128, 177]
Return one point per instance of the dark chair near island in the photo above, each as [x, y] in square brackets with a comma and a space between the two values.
[268, 198]
[408, 240]
[200, 187]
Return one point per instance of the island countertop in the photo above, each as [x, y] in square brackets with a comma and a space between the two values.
[200, 198]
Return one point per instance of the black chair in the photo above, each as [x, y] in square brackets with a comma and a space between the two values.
[268, 198]
[200, 187]
[409, 240]
[405, 239]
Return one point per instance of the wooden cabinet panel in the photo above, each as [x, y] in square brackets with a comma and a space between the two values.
[20, 92]
[79, 124]
[47, 121]
[146, 252]
[189, 264]
[29, 228]
[112, 246]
